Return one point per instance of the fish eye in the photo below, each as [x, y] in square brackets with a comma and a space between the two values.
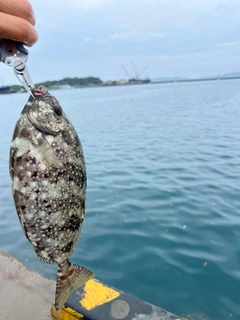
[58, 111]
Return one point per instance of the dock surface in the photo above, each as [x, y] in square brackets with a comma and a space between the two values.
[24, 295]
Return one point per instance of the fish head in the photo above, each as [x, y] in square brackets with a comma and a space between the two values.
[45, 113]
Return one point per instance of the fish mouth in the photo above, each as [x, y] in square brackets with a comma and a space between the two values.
[40, 91]
[39, 126]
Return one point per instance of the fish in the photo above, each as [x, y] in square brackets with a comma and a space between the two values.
[48, 181]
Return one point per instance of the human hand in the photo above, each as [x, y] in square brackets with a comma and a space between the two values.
[17, 21]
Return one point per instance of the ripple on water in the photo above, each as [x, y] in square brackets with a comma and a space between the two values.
[162, 214]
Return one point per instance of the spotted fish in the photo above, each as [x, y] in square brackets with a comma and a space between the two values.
[48, 174]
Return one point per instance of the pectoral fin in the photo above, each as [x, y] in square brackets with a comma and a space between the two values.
[42, 146]
[47, 153]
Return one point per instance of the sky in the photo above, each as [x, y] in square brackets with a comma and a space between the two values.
[150, 38]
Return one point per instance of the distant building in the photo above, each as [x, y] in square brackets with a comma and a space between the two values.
[122, 81]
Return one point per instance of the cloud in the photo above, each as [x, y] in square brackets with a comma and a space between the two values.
[228, 44]
[137, 36]
[157, 35]
[81, 4]
[123, 36]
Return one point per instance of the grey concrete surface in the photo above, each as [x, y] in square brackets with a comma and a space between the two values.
[24, 295]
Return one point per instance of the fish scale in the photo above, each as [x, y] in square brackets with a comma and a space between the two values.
[48, 174]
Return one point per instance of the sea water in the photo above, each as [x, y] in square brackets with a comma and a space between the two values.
[162, 216]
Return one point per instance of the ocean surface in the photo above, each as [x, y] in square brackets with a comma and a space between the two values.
[162, 217]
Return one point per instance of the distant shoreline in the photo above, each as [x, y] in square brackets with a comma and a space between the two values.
[92, 82]
[198, 79]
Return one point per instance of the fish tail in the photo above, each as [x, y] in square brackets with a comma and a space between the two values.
[69, 278]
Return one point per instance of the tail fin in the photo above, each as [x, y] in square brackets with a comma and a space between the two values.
[72, 278]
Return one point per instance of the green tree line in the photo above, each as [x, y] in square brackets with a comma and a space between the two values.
[73, 82]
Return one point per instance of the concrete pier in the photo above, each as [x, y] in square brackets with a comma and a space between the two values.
[24, 295]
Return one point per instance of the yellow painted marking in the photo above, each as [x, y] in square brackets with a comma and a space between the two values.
[65, 314]
[96, 294]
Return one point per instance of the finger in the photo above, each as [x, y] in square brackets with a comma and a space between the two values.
[18, 8]
[18, 29]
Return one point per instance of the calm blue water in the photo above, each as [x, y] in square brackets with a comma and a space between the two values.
[163, 202]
